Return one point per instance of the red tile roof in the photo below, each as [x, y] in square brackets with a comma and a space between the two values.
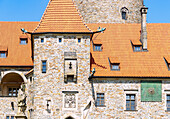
[61, 16]
[10, 33]
[116, 42]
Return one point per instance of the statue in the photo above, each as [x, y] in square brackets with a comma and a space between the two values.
[21, 101]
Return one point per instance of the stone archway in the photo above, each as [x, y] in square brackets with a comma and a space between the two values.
[69, 117]
[11, 82]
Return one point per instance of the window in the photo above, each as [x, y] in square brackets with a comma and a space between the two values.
[130, 102]
[115, 66]
[60, 40]
[42, 40]
[79, 40]
[23, 41]
[168, 102]
[2, 54]
[9, 117]
[97, 48]
[44, 66]
[100, 99]
[137, 48]
[13, 91]
[124, 13]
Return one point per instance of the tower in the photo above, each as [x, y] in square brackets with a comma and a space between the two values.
[110, 11]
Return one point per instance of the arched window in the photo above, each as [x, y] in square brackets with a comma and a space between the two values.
[124, 13]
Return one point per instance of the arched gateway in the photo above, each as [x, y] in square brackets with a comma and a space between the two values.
[11, 82]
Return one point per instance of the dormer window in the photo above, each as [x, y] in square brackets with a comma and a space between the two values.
[124, 13]
[114, 63]
[3, 51]
[115, 66]
[97, 45]
[137, 48]
[23, 41]
[3, 54]
[136, 45]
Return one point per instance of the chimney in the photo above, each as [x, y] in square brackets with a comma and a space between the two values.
[143, 27]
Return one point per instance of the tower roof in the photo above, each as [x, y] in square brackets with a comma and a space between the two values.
[61, 16]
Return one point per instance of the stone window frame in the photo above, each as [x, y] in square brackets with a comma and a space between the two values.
[131, 92]
[76, 96]
[125, 10]
[104, 105]
[58, 37]
[42, 66]
[167, 92]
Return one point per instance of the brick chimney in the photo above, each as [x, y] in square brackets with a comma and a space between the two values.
[143, 27]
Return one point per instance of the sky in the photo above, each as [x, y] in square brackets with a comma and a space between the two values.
[32, 10]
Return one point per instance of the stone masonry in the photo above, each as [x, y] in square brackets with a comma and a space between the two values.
[50, 85]
[109, 11]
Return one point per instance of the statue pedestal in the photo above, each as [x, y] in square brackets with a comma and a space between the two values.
[20, 117]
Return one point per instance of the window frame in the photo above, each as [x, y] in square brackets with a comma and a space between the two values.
[96, 102]
[96, 49]
[10, 116]
[125, 11]
[4, 54]
[130, 100]
[17, 89]
[167, 94]
[115, 64]
[137, 46]
[42, 66]
[23, 39]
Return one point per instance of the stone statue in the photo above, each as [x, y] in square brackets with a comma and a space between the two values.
[21, 100]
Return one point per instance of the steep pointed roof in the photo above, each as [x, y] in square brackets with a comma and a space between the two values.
[61, 16]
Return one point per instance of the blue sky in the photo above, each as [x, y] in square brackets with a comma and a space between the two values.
[32, 10]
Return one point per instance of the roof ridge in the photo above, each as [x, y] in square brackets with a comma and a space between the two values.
[43, 16]
[81, 16]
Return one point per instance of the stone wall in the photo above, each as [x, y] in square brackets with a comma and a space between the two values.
[50, 85]
[115, 100]
[109, 11]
